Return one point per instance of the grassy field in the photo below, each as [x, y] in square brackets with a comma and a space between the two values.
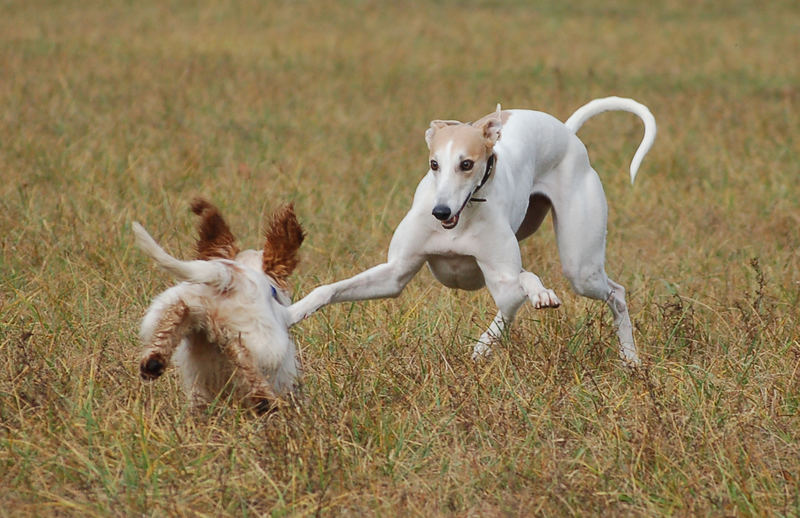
[118, 111]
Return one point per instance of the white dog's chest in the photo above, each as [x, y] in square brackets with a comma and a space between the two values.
[458, 272]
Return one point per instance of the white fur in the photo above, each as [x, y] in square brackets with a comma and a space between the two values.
[227, 301]
[597, 106]
[538, 159]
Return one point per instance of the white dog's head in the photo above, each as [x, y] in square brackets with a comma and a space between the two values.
[461, 157]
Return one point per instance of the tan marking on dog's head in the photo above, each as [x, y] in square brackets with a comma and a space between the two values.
[436, 126]
[474, 139]
[284, 235]
[468, 140]
[216, 239]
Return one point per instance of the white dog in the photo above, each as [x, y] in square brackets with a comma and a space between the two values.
[225, 325]
[490, 185]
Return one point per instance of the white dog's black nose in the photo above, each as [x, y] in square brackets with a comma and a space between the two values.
[441, 212]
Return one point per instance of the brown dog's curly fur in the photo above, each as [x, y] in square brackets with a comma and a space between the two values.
[216, 239]
[284, 235]
[165, 338]
[210, 341]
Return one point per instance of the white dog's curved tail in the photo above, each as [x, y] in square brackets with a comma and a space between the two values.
[598, 106]
[212, 273]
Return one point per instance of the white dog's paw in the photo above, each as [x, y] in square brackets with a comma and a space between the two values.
[482, 349]
[545, 299]
[296, 314]
[629, 357]
[309, 304]
[300, 310]
[481, 352]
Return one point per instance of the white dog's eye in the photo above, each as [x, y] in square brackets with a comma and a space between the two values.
[434, 165]
[466, 165]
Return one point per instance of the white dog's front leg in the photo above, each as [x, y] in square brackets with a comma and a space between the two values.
[508, 294]
[539, 296]
[319, 296]
[483, 347]
[382, 281]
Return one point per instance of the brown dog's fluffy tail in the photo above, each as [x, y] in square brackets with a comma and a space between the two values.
[216, 239]
[284, 235]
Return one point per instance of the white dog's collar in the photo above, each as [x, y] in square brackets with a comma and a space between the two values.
[486, 175]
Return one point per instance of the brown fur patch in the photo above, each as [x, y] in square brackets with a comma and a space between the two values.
[216, 239]
[166, 338]
[284, 235]
[260, 393]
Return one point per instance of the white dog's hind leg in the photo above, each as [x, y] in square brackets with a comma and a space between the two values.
[599, 287]
[580, 225]
[622, 322]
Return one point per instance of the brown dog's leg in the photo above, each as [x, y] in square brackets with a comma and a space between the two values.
[261, 395]
[165, 339]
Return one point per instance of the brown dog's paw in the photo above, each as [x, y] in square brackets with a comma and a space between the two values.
[152, 367]
[264, 404]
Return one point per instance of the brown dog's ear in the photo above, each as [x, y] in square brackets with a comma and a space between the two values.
[216, 239]
[490, 126]
[284, 235]
[435, 126]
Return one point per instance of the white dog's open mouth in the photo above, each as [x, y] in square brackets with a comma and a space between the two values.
[452, 222]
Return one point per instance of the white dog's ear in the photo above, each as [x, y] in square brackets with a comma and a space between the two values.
[491, 125]
[435, 126]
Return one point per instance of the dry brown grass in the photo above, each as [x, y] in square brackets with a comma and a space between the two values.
[114, 111]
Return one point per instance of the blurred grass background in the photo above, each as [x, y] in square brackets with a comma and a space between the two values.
[115, 111]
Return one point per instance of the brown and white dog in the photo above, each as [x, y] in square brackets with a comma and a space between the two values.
[225, 325]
